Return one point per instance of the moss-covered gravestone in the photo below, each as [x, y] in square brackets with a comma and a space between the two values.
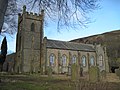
[49, 71]
[94, 74]
[74, 72]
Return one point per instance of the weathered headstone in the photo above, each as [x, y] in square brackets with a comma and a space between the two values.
[81, 71]
[74, 72]
[103, 75]
[49, 71]
[69, 70]
[94, 74]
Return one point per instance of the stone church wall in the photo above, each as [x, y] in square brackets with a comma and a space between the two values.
[29, 41]
[102, 55]
[9, 64]
[66, 52]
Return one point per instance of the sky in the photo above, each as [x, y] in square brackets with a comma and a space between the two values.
[105, 19]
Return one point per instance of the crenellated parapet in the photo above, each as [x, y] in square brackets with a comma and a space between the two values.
[31, 14]
[34, 15]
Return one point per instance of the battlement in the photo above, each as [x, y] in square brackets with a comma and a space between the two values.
[31, 14]
[34, 14]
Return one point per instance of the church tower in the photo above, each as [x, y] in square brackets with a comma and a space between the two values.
[29, 41]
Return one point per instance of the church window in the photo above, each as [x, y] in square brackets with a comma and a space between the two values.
[64, 60]
[74, 59]
[101, 60]
[32, 27]
[83, 61]
[92, 61]
[52, 60]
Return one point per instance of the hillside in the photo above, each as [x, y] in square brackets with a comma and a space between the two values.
[109, 39]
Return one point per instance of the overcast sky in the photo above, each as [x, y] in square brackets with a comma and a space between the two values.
[105, 19]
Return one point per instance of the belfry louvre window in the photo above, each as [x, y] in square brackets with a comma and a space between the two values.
[83, 62]
[52, 59]
[32, 27]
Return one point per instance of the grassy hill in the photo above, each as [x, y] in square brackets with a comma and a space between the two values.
[109, 39]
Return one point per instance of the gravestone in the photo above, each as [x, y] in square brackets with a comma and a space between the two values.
[69, 70]
[81, 71]
[49, 71]
[74, 72]
[102, 75]
[93, 74]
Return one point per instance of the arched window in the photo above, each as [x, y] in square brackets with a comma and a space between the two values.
[52, 60]
[92, 61]
[100, 60]
[64, 60]
[32, 27]
[74, 59]
[83, 61]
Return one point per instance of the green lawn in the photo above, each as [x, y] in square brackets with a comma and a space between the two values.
[37, 82]
[33, 83]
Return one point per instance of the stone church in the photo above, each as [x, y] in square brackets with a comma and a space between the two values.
[35, 53]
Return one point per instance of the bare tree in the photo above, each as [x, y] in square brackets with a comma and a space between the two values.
[64, 12]
[68, 12]
[8, 19]
[3, 7]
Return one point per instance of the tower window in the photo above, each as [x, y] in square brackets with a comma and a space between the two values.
[32, 27]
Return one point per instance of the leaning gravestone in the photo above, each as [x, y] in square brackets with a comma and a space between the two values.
[74, 72]
[94, 74]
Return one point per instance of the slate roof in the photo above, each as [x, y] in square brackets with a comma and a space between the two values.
[54, 44]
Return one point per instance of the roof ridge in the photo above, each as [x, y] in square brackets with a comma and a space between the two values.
[71, 42]
[69, 45]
